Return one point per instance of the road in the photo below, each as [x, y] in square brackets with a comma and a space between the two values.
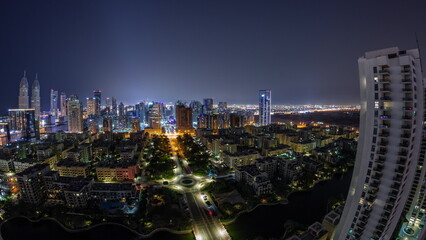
[205, 225]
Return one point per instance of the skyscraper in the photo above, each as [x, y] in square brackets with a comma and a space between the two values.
[93, 107]
[114, 106]
[264, 107]
[35, 97]
[23, 93]
[155, 115]
[385, 180]
[75, 114]
[222, 106]
[208, 105]
[24, 123]
[98, 95]
[183, 118]
[53, 102]
[63, 104]
[121, 109]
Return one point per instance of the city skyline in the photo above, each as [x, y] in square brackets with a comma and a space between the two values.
[135, 61]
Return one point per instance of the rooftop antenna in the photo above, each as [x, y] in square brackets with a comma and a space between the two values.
[420, 55]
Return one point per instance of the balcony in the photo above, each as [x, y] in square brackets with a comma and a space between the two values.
[384, 80]
[403, 153]
[379, 160]
[399, 170]
[407, 117]
[406, 80]
[397, 178]
[385, 116]
[407, 99]
[386, 98]
[407, 89]
[383, 134]
[377, 176]
[406, 71]
[404, 144]
[406, 126]
[387, 89]
[384, 71]
[405, 135]
[383, 143]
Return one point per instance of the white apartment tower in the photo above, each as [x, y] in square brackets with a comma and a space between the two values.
[265, 107]
[391, 125]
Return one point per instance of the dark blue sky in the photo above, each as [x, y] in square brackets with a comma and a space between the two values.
[305, 51]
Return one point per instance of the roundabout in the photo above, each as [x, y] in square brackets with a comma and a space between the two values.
[187, 182]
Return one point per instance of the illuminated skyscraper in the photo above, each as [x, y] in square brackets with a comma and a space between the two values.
[54, 102]
[75, 114]
[35, 96]
[108, 105]
[63, 104]
[208, 105]
[183, 118]
[93, 107]
[155, 115]
[197, 110]
[114, 106]
[222, 106]
[24, 123]
[264, 107]
[121, 109]
[23, 93]
[98, 95]
[136, 124]
[386, 181]
[107, 125]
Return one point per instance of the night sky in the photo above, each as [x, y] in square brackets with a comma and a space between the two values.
[305, 51]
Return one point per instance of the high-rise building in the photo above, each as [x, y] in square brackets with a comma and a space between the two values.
[107, 125]
[114, 106]
[202, 121]
[264, 107]
[222, 106]
[93, 107]
[208, 105]
[98, 95]
[197, 110]
[75, 114]
[235, 120]
[136, 124]
[54, 102]
[155, 115]
[23, 93]
[183, 118]
[386, 177]
[35, 97]
[24, 123]
[63, 104]
[108, 105]
[121, 109]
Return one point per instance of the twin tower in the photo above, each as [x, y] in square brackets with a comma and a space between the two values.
[24, 99]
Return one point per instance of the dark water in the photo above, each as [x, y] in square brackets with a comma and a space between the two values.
[265, 221]
[304, 207]
[21, 228]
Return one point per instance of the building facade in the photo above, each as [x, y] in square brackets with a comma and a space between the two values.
[75, 114]
[264, 107]
[391, 124]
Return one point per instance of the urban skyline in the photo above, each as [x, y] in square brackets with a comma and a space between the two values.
[213, 120]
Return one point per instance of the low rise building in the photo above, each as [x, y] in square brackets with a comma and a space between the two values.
[70, 168]
[125, 170]
[112, 191]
